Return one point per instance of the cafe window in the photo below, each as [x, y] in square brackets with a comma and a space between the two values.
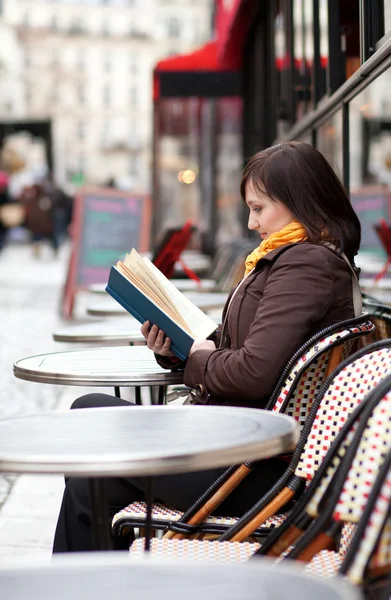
[282, 65]
[370, 158]
[229, 164]
[339, 44]
[303, 48]
[387, 17]
[329, 142]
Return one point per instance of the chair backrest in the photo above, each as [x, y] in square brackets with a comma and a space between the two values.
[370, 547]
[349, 484]
[327, 436]
[305, 372]
[351, 383]
[380, 315]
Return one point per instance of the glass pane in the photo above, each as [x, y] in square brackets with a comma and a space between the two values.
[387, 16]
[282, 65]
[324, 45]
[229, 169]
[303, 55]
[329, 141]
[177, 162]
[370, 158]
[305, 137]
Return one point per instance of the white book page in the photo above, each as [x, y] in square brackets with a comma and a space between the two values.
[135, 263]
[199, 323]
[164, 309]
[148, 292]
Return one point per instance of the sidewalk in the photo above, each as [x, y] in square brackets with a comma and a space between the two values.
[29, 299]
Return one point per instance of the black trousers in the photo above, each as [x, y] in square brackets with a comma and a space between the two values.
[74, 526]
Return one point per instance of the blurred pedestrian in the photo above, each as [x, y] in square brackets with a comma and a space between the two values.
[3, 201]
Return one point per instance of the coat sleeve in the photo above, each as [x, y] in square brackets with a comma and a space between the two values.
[176, 364]
[298, 291]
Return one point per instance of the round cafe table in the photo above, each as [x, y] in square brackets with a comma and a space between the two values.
[102, 367]
[107, 307]
[183, 285]
[114, 331]
[102, 576]
[140, 441]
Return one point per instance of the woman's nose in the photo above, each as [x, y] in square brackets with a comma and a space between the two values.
[251, 223]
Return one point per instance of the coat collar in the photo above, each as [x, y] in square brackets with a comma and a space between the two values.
[274, 254]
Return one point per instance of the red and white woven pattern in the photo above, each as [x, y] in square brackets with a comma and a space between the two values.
[347, 533]
[300, 403]
[195, 550]
[312, 378]
[324, 564]
[138, 510]
[368, 541]
[164, 515]
[374, 445]
[346, 392]
[318, 368]
[382, 555]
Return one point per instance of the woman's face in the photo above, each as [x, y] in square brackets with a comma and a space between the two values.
[266, 216]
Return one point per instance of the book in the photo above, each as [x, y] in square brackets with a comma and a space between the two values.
[139, 286]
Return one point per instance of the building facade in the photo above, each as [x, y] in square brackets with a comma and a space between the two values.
[88, 68]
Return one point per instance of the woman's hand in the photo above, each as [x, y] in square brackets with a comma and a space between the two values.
[202, 345]
[156, 340]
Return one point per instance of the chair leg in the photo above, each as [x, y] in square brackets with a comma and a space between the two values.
[215, 500]
[334, 360]
[323, 541]
[286, 540]
[280, 500]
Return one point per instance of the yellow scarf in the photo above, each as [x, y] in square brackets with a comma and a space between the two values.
[290, 234]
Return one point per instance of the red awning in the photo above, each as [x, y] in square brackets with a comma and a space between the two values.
[232, 20]
[204, 60]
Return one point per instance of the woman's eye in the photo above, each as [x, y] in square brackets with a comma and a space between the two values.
[257, 209]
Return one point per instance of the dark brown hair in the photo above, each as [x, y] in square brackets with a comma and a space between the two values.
[300, 177]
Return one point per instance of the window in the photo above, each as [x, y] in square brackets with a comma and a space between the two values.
[81, 61]
[282, 66]
[134, 165]
[106, 133]
[133, 66]
[329, 142]
[106, 63]
[387, 17]
[370, 157]
[303, 55]
[81, 130]
[133, 97]
[174, 27]
[106, 95]
[81, 96]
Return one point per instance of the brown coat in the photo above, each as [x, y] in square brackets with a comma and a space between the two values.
[293, 292]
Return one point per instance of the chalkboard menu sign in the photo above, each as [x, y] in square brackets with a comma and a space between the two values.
[371, 203]
[105, 225]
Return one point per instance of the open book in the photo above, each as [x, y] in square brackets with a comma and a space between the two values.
[148, 295]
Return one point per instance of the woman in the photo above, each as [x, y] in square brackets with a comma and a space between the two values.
[296, 283]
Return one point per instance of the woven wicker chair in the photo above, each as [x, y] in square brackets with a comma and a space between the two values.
[352, 500]
[343, 413]
[380, 315]
[293, 395]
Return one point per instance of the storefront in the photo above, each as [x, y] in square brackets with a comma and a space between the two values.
[197, 158]
[320, 71]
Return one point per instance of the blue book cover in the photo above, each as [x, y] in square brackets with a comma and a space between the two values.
[143, 309]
